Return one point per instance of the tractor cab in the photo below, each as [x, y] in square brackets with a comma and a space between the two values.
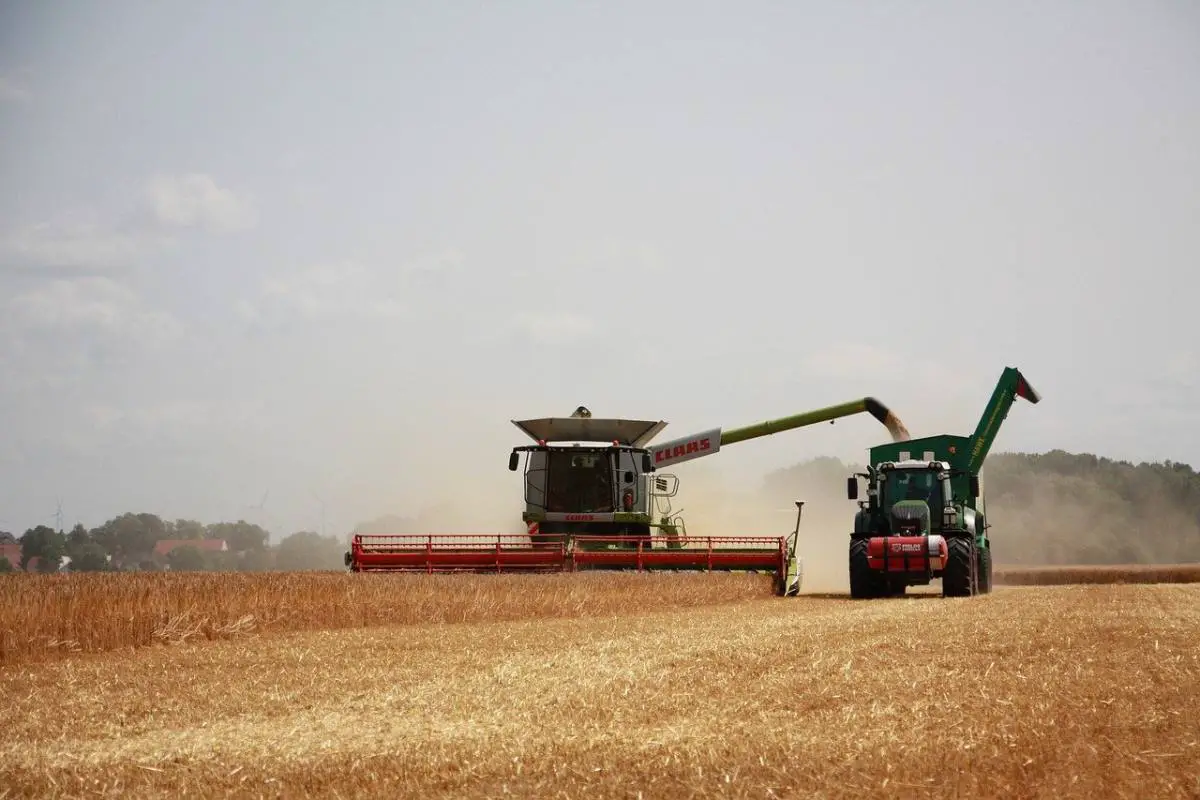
[914, 496]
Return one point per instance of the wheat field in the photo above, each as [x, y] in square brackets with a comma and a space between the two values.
[604, 688]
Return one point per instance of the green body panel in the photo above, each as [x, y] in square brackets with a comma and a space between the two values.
[828, 414]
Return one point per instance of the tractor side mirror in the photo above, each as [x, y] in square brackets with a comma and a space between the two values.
[513, 460]
[974, 487]
[647, 464]
[629, 476]
[852, 488]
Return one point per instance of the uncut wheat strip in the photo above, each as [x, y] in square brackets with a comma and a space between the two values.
[47, 617]
[1086, 574]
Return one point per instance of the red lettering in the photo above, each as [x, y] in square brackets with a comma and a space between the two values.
[579, 517]
[685, 449]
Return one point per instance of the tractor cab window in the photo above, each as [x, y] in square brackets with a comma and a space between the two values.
[914, 485]
[579, 482]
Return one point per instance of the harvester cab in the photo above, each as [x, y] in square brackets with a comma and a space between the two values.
[924, 516]
[595, 498]
[590, 477]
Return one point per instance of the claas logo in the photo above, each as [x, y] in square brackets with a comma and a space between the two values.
[694, 446]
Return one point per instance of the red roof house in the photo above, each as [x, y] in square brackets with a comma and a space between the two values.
[13, 553]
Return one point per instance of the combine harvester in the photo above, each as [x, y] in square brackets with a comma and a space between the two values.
[925, 517]
[595, 501]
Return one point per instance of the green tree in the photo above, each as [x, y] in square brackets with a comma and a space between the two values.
[239, 536]
[5, 565]
[186, 529]
[308, 550]
[186, 559]
[131, 536]
[256, 560]
[45, 543]
[77, 539]
[90, 558]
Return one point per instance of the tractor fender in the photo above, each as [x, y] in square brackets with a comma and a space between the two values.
[972, 521]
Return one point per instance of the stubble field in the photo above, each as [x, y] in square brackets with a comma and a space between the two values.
[591, 686]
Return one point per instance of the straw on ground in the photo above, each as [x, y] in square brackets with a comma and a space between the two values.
[1082, 691]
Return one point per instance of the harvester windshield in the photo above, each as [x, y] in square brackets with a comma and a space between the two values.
[579, 481]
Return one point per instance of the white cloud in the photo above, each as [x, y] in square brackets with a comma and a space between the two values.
[83, 246]
[326, 291]
[195, 200]
[95, 303]
[554, 327]
[344, 289]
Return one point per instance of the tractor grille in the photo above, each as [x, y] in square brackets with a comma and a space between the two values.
[910, 517]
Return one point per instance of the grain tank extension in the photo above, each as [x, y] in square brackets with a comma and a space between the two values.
[925, 517]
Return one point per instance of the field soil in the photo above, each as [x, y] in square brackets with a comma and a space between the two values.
[1055, 691]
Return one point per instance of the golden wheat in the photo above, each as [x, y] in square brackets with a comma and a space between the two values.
[1054, 692]
[49, 616]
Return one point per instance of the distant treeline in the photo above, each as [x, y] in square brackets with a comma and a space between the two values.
[1062, 508]
[145, 542]
[1050, 508]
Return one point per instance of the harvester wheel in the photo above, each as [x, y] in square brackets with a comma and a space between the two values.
[864, 583]
[985, 570]
[959, 576]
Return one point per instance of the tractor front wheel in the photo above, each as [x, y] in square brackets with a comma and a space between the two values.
[959, 576]
[864, 584]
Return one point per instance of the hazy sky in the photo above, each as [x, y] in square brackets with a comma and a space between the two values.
[329, 250]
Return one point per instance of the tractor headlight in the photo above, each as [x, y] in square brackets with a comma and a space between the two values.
[949, 517]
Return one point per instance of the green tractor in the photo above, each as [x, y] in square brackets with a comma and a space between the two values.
[925, 517]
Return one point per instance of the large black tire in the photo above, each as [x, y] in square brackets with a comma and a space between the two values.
[864, 584]
[959, 576]
[985, 570]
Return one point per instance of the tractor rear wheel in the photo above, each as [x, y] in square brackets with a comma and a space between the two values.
[959, 576]
[864, 583]
[985, 570]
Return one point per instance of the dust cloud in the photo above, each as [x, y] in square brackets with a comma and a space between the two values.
[1054, 520]
[711, 508]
